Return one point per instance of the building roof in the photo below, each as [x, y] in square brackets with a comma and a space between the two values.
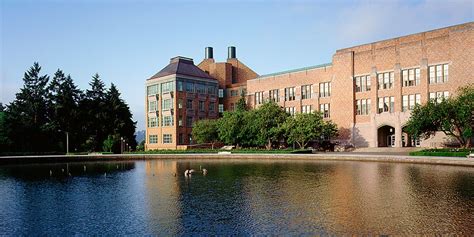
[183, 66]
[295, 70]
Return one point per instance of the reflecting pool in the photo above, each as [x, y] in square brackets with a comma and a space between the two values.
[236, 197]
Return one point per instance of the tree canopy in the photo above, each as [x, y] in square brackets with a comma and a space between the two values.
[45, 110]
[452, 116]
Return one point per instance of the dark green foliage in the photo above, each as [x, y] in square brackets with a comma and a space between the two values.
[304, 128]
[268, 125]
[452, 116]
[206, 131]
[43, 112]
[443, 152]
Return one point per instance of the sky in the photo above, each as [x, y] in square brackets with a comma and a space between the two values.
[126, 42]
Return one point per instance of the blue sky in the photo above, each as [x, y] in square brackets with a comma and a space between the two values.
[128, 41]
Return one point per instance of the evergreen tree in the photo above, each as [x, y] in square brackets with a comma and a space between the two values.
[93, 115]
[27, 116]
[64, 110]
[118, 119]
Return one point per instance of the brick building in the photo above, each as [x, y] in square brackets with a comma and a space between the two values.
[367, 90]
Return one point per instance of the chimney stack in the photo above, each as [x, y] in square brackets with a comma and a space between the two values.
[231, 52]
[209, 53]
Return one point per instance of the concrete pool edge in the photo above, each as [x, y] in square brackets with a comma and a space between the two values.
[433, 160]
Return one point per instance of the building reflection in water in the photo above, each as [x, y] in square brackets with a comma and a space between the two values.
[162, 196]
[363, 197]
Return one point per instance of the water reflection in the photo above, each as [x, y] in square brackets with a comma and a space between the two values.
[237, 198]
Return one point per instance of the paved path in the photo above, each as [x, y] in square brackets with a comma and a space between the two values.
[347, 156]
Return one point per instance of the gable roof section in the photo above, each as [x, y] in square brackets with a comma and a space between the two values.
[182, 66]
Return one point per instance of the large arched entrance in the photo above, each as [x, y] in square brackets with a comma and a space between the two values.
[386, 136]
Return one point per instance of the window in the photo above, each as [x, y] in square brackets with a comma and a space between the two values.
[167, 87]
[189, 87]
[202, 105]
[180, 86]
[152, 106]
[212, 90]
[153, 139]
[290, 110]
[439, 73]
[189, 104]
[411, 77]
[273, 95]
[167, 138]
[306, 92]
[325, 89]
[212, 106]
[409, 101]
[362, 83]
[306, 109]
[259, 97]
[234, 93]
[180, 121]
[181, 138]
[289, 93]
[190, 138]
[221, 93]
[180, 103]
[221, 108]
[201, 89]
[324, 109]
[152, 90]
[386, 104]
[363, 106]
[385, 80]
[439, 96]
[189, 121]
[167, 121]
[167, 104]
[152, 122]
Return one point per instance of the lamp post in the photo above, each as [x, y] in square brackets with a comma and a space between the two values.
[121, 145]
[67, 143]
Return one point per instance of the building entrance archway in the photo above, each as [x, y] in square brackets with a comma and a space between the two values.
[386, 136]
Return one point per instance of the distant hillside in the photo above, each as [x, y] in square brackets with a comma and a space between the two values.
[139, 136]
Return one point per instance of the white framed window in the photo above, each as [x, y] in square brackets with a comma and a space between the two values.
[167, 138]
[411, 77]
[221, 93]
[290, 110]
[221, 108]
[289, 93]
[259, 97]
[152, 122]
[438, 73]
[306, 92]
[363, 83]
[234, 93]
[385, 80]
[152, 90]
[167, 104]
[167, 87]
[363, 106]
[386, 104]
[325, 110]
[273, 95]
[153, 139]
[306, 109]
[439, 96]
[167, 121]
[325, 89]
[152, 106]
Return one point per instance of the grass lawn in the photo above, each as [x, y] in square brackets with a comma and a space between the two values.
[449, 152]
[235, 151]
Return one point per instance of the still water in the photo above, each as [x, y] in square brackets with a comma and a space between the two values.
[236, 198]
